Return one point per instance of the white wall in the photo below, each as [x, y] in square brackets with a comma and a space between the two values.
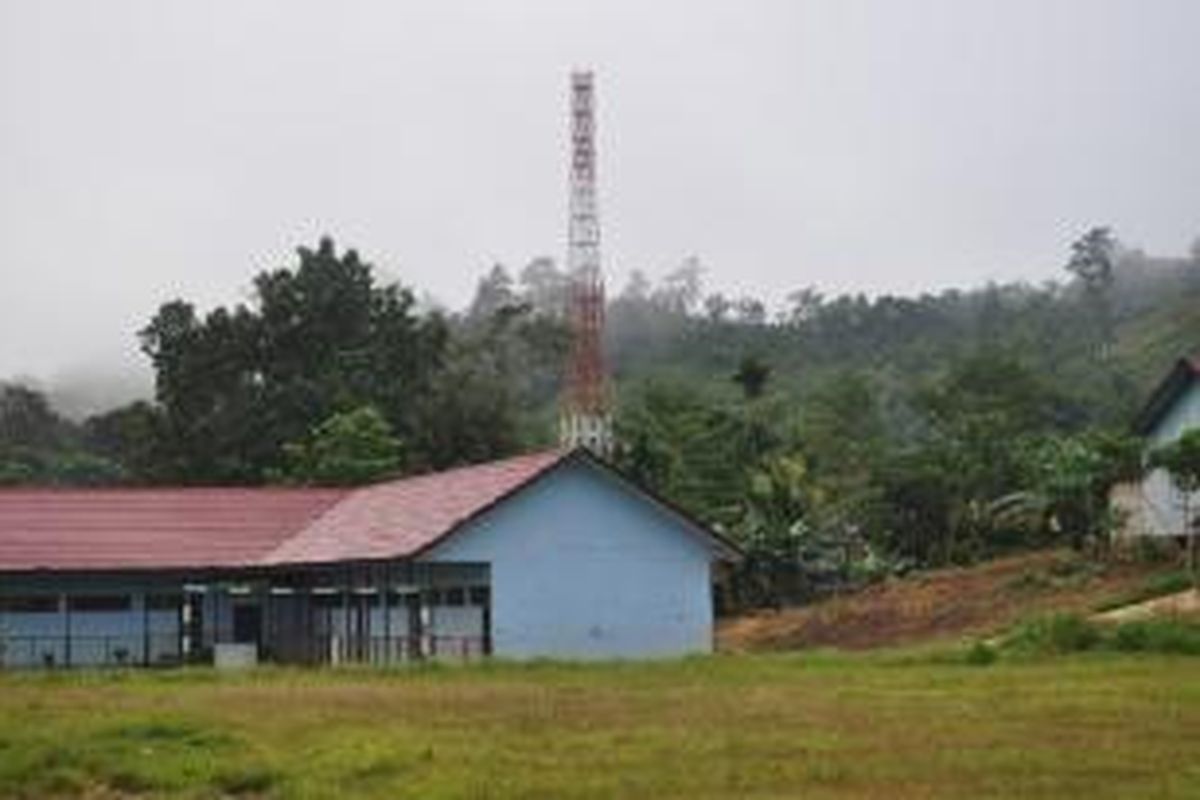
[1161, 512]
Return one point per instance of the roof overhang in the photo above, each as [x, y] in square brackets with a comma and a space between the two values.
[1182, 375]
[535, 468]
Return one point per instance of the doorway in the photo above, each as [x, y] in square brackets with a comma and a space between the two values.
[247, 624]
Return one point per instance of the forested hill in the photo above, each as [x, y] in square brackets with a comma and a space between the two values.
[899, 343]
[835, 436]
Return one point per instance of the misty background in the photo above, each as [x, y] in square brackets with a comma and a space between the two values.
[151, 151]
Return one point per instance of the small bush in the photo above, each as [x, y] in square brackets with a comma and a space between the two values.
[1131, 638]
[1167, 583]
[1057, 633]
[1154, 550]
[1069, 633]
[1158, 636]
[1155, 586]
[981, 654]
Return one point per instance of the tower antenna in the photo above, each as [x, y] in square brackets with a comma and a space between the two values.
[586, 416]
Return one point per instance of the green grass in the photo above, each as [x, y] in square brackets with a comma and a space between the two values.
[899, 724]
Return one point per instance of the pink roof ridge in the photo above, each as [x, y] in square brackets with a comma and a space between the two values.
[403, 517]
[180, 528]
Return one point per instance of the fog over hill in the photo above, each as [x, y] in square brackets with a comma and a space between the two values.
[1142, 284]
[154, 150]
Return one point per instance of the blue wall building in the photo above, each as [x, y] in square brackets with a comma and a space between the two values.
[549, 555]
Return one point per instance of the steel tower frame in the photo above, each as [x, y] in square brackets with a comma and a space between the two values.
[586, 416]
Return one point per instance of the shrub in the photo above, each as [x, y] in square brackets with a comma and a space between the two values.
[981, 654]
[1155, 586]
[1069, 633]
[1158, 636]
[1057, 633]
[1154, 550]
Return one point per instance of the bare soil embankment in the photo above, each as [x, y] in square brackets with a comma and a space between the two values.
[979, 600]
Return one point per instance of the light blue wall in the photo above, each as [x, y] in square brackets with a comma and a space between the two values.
[1162, 502]
[96, 637]
[583, 567]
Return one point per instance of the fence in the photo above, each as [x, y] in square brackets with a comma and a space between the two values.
[127, 650]
[335, 649]
[90, 651]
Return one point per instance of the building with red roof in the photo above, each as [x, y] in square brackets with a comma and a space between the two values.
[552, 554]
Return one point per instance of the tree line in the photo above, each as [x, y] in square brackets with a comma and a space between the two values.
[837, 438]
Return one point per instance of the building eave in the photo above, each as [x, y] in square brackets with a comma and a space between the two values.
[1170, 388]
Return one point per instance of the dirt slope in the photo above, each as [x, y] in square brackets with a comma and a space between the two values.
[949, 603]
[1179, 604]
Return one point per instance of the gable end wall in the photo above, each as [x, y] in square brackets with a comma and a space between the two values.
[1161, 509]
[583, 567]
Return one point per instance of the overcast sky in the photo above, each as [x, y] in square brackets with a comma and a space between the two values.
[158, 149]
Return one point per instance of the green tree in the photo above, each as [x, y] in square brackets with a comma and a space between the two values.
[131, 436]
[752, 375]
[1067, 480]
[798, 542]
[347, 449]
[237, 384]
[493, 293]
[1092, 260]
[28, 421]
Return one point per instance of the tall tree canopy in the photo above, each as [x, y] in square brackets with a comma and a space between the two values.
[320, 338]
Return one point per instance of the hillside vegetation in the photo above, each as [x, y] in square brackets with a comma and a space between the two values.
[838, 439]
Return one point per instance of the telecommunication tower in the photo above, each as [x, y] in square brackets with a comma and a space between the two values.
[586, 416]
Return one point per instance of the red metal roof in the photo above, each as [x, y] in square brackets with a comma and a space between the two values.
[116, 529]
[403, 517]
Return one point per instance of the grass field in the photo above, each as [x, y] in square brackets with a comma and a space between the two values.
[895, 725]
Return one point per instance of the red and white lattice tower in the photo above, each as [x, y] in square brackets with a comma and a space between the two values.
[586, 416]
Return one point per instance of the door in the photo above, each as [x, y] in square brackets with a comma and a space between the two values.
[247, 624]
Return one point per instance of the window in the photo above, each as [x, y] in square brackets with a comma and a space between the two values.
[455, 596]
[327, 600]
[99, 602]
[29, 604]
[481, 596]
[163, 602]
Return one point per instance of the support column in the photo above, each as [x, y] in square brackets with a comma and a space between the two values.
[145, 628]
[346, 616]
[416, 625]
[64, 602]
[264, 627]
[385, 604]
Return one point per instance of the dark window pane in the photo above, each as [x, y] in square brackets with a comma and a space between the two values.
[29, 604]
[99, 602]
[328, 601]
[163, 602]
